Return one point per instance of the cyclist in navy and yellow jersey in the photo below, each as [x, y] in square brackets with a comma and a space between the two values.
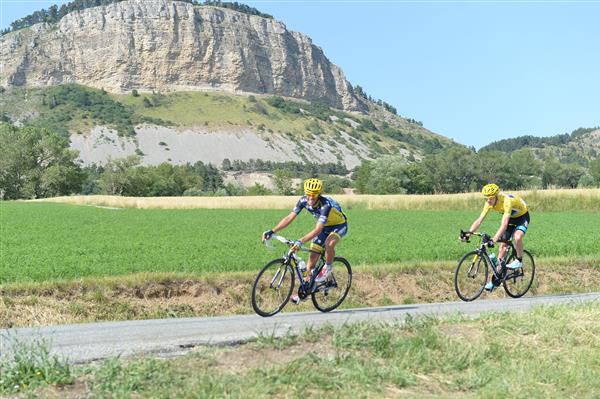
[330, 228]
[515, 220]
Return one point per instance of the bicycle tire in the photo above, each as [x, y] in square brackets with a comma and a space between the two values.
[339, 282]
[518, 286]
[262, 285]
[467, 278]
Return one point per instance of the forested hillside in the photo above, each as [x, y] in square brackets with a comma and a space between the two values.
[577, 139]
[138, 126]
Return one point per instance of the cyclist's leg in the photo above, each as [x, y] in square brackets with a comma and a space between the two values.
[336, 234]
[500, 267]
[519, 234]
[318, 246]
[334, 237]
[330, 243]
[518, 237]
[312, 260]
[501, 252]
[506, 236]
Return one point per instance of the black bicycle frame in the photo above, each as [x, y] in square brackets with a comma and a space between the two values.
[307, 287]
[509, 251]
[503, 270]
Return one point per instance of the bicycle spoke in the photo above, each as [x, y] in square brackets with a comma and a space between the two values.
[519, 281]
[272, 288]
[470, 276]
[330, 294]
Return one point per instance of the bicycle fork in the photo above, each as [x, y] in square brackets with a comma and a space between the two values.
[472, 273]
[280, 278]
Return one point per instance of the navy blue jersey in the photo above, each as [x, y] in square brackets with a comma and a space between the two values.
[326, 210]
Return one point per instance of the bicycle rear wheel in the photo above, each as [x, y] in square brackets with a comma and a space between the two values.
[470, 276]
[272, 288]
[518, 282]
[331, 293]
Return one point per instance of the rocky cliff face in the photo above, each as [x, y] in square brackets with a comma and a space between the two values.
[170, 45]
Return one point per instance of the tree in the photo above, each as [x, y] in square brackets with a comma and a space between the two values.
[386, 175]
[526, 168]
[362, 175]
[259, 190]
[37, 163]
[570, 175]
[595, 170]
[118, 178]
[551, 172]
[454, 170]
[283, 182]
[389, 176]
[226, 164]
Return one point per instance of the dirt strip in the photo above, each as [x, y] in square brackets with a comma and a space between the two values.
[153, 296]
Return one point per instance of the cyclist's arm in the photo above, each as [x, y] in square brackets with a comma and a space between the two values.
[505, 218]
[479, 220]
[502, 228]
[283, 223]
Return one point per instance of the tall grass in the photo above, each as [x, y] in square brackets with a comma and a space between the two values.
[538, 200]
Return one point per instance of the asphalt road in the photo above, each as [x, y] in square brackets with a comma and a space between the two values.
[81, 343]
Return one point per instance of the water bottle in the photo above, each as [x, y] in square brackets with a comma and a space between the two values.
[494, 259]
[302, 266]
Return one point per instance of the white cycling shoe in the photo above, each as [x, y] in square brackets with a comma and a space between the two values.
[514, 265]
[324, 274]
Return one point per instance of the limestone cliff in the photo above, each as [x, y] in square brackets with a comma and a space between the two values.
[170, 45]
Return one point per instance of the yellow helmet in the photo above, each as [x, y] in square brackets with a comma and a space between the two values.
[313, 186]
[490, 190]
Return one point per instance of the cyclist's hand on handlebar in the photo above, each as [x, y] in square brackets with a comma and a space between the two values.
[495, 239]
[267, 235]
[297, 245]
[464, 236]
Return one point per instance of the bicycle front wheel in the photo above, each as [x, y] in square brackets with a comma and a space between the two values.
[470, 276]
[331, 293]
[272, 288]
[518, 282]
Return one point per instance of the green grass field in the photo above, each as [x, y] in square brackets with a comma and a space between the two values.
[42, 241]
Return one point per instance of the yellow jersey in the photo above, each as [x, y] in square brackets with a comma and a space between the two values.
[507, 204]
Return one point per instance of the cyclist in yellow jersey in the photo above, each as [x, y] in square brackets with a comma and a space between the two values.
[515, 220]
[330, 228]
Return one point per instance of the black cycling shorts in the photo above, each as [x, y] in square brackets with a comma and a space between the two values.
[520, 223]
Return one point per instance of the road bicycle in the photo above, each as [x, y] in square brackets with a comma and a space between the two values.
[274, 284]
[472, 271]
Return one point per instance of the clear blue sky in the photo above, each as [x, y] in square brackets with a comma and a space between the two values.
[474, 71]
